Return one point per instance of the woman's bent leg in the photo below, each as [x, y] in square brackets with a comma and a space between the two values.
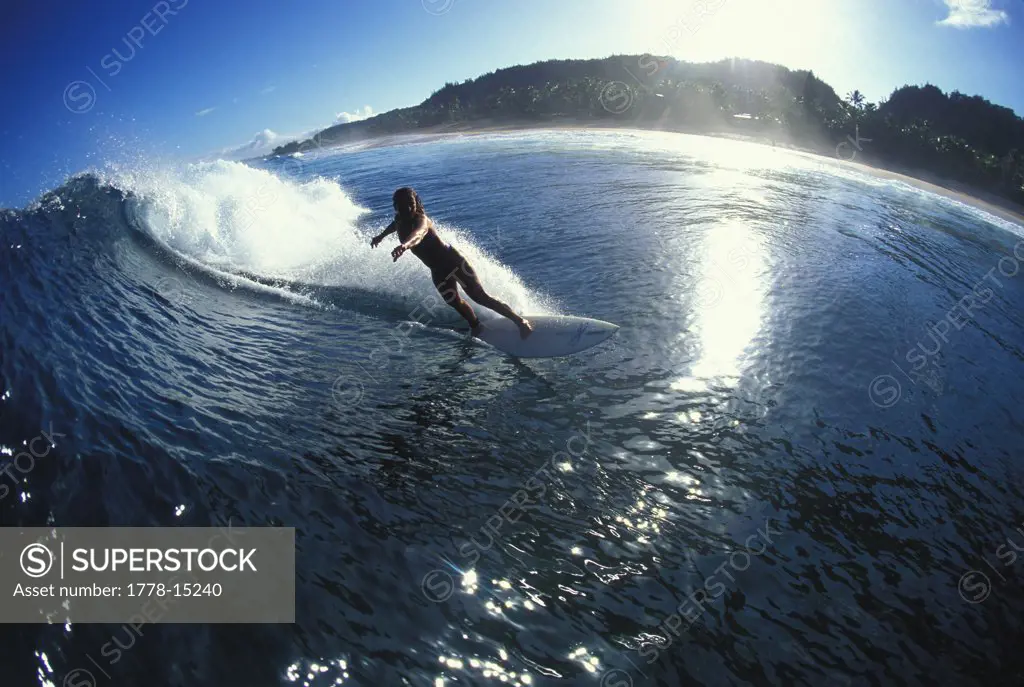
[449, 290]
[475, 290]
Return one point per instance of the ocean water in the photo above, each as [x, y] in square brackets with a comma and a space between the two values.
[797, 463]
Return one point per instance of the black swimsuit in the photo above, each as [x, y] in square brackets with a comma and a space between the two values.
[431, 250]
[444, 261]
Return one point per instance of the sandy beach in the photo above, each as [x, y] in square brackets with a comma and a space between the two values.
[999, 207]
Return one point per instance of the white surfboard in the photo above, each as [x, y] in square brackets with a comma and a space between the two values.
[553, 335]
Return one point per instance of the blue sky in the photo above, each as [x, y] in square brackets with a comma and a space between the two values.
[90, 83]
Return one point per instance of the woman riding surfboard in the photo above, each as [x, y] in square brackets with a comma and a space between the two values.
[448, 268]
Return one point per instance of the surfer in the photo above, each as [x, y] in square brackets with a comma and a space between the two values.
[448, 267]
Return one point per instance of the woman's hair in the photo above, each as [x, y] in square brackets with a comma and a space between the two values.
[406, 198]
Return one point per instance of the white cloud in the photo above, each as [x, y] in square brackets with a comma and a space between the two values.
[265, 141]
[261, 144]
[203, 113]
[268, 89]
[967, 14]
[361, 113]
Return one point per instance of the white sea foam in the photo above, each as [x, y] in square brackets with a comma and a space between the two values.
[234, 218]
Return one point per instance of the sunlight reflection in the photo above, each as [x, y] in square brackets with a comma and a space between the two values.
[727, 292]
[688, 384]
[689, 416]
[318, 672]
[45, 670]
[487, 669]
[732, 159]
[690, 483]
[729, 313]
[590, 663]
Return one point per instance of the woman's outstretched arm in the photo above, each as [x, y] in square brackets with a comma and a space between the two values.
[419, 232]
[391, 229]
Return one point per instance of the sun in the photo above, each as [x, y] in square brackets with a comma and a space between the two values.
[795, 33]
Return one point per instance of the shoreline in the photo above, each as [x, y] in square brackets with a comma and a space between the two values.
[1002, 208]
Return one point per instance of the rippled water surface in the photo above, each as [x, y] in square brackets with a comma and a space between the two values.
[797, 463]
